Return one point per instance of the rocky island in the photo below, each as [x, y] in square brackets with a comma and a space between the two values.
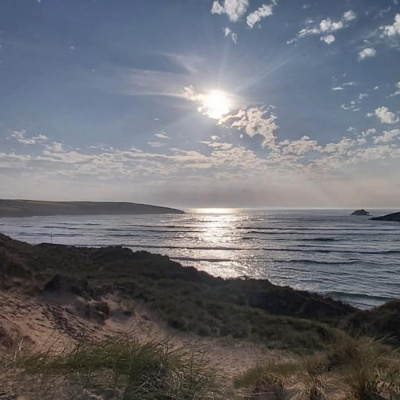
[360, 212]
[389, 217]
[30, 208]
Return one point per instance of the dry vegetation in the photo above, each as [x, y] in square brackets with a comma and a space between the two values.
[315, 348]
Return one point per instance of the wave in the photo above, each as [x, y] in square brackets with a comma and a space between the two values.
[319, 239]
[153, 230]
[58, 227]
[327, 251]
[347, 295]
[318, 262]
[147, 246]
[298, 229]
[216, 260]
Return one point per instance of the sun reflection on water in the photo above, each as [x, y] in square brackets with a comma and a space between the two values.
[220, 239]
[215, 210]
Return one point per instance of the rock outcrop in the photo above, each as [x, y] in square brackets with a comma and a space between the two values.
[360, 212]
[390, 217]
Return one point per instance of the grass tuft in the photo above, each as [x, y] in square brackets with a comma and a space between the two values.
[150, 370]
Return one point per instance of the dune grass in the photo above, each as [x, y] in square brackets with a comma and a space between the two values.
[354, 368]
[133, 370]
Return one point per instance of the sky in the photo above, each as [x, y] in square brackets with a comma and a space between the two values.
[201, 103]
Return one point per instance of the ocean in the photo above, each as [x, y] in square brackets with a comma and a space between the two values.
[350, 258]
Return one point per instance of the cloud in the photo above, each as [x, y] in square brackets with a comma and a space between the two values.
[388, 136]
[386, 116]
[190, 94]
[20, 137]
[341, 147]
[55, 147]
[328, 39]
[368, 132]
[289, 164]
[235, 9]
[349, 15]
[299, 147]
[231, 34]
[254, 121]
[336, 88]
[397, 92]
[325, 28]
[394, 29]
[262, 12]
[366, 53]
[142, 82]
[156, 144]
[162, 135]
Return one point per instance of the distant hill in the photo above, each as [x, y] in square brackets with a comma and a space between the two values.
[30, 208]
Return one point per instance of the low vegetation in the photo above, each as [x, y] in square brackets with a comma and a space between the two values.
[331, 353]
[121, 368]
[351, 369]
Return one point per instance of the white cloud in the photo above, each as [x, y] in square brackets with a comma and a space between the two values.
[162, 135]
[156, 144]
[40, 138]
[231, 34]
[217, 8]
[386, 116]
[262, 12]
[392, 30]
[325, 28]
[327, 25]
[388, 136]
[254, 121]
[341, 147]
[190, 94]
[397, 92]
[366, 53]
[349, 15]
[299, 147]
[20, 137]
[328, 39]
[235, 9]
[56, 147]
[368, 132]
[336, 88]
[362, 96]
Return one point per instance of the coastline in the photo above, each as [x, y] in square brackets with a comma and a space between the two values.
[31, 208]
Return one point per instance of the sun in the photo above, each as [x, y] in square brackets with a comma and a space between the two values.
[216, 104]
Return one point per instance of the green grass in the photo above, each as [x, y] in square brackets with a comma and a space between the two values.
[150, 370]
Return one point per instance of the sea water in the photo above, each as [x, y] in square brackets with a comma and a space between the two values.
[350, 258]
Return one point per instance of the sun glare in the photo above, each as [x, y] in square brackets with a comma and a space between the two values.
[216, 104]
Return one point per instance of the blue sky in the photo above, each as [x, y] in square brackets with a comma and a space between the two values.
[239, 103]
